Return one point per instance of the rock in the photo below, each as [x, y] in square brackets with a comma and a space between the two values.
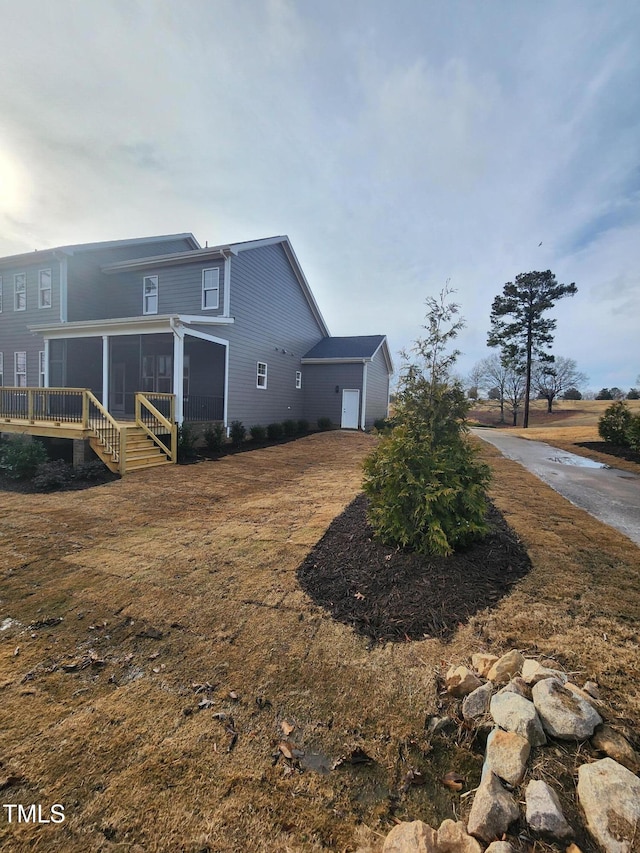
[612, 743]
[592, 689]
[476, 704]
[533, 671]
[517, 685]
[563, 713]
[573, 848]
[493, 810]
[411, 837]
[506, 756]
[587, 697]
[506, 667]
[516, 714]
[482, 663]
[610, 798]
[544, 812]
[460, 681]
[499, 847]
[453, 838]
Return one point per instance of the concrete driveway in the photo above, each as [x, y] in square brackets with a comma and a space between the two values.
[610, 495]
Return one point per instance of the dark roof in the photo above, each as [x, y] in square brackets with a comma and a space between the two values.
[356, 346]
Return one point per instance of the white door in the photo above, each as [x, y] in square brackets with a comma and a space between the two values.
[350, 409]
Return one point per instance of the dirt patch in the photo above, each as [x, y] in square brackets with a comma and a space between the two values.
[391, 594]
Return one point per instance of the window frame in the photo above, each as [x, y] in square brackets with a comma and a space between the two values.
[42, 373]
[261, 375]
[298, 380]
[42, 289]
[17, 373]
[215, 288]
[19, 276]
[147, 296]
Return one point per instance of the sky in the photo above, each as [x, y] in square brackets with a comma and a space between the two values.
[400, 144]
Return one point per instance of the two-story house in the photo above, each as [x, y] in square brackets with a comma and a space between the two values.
[232, 332]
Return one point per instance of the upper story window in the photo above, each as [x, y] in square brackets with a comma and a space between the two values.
[20, 369]
[44, 289]
[20, 291]
[261, 376]
[211, 288]
[150, 294]
[298, 379]
[0, 294]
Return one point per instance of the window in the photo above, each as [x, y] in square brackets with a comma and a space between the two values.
[1, 369]
[44, 289]
[0, 294]
[150, 294]
[20, 291]
[298, 379]
[211, 288]
[20, 367]
[41, 371]
[261, 378]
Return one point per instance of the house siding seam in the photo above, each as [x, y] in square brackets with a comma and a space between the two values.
[273, 324]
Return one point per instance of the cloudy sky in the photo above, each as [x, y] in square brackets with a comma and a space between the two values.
[399, 144]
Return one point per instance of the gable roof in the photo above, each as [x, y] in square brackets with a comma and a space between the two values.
[77, 248]
[354, 348]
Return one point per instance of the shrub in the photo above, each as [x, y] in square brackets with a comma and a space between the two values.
[237, 433]
[20, 457]
[53, 475]
[289, 428]
[258, 433]
[274, 432]
[93, 470]
[303, 427]
[572, 394]
[613, 424]
[214, 437]
[186, 443]
[383, 424]
[632, 434]
[324, 424]
[633, 394]
[425, 485]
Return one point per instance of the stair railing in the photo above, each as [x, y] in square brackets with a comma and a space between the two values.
[156, 424]
[111, 435]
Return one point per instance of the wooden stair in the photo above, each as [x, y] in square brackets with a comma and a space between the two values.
[141, 452]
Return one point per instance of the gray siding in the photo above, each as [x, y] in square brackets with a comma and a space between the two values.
[273, 324]
[14, 334]
[179, 290]
[377, 402]
[90, 295]
[319, 383]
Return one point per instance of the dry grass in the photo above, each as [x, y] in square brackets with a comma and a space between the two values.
[206, 555]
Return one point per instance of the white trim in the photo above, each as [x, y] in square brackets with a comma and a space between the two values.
[225, 405]
[226, 299]
[204, 336]
[143, 325]
[64, 267]
[334, 360]
[213, 289]
[105, 371]
[1, 369]
[178, 371]
[218, 320]
[298, 380]
[46, 363]
[42, 290]
[260, 375]
[15, 368]
[363, 414]
[153, 295]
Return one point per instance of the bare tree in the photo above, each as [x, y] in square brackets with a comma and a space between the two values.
[515, 387]
[491, 373]
[550, 379]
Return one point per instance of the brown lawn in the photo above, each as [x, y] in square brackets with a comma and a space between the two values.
[178, 586]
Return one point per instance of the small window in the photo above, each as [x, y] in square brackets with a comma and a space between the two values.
[44, 289]
[1, 369]
[0, 294]
[211, 288]
[20, 365]
[150, 294]
[20, 291]
[261, 378]
[298, 379]
[41, 370]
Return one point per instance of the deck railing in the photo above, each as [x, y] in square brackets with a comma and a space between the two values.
[112, 437]
[198, 407]
[58, 405]
[160, 427]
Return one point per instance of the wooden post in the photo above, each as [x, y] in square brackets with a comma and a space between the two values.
[85, 410]
[30, 404]
[123, 451]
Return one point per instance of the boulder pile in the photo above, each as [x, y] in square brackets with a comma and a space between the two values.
[524, 704]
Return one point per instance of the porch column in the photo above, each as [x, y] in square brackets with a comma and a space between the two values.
[178, 371]
[46, 362]
[105, 371]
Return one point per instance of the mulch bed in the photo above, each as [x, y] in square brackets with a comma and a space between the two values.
[396, 595]
[611, 450]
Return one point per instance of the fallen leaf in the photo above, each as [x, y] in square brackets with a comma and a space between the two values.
[286, 749]
[286, 727]
[453, 781]
[233, 695]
